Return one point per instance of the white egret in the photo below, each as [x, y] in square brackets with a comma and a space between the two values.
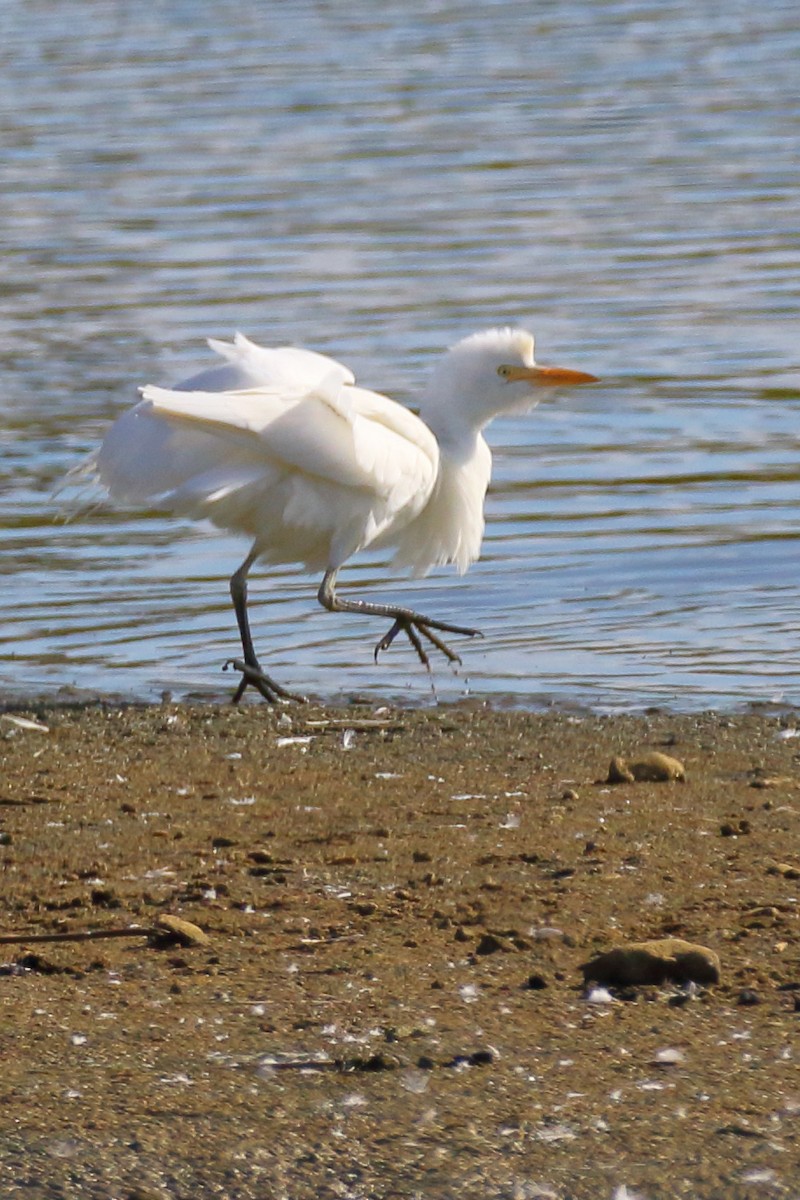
[281, 445]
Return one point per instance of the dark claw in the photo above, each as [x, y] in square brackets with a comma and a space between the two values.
[388, 638]
[255, 677]
[413, 628]
[440, 645]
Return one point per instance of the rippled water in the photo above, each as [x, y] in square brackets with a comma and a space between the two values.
[376, 182]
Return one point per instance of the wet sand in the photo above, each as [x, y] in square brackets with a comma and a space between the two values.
[390, 1003]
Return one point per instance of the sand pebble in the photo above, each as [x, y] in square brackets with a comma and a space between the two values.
[670, 1056]
[24, 723]
[653, 962]
[555, 1133]
[650, 768]
[490, 943]
[599, 995]
[182, 932]
[787, 870]
[760, 1175]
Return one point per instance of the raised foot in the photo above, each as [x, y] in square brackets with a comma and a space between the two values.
[253, 676]
[412, 625]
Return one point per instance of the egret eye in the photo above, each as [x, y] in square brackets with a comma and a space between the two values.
[504, 372]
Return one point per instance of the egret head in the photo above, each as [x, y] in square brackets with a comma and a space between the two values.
[488, 374]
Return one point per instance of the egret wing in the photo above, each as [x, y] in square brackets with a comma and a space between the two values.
[248, 365]
[345, 436]
[312, 476]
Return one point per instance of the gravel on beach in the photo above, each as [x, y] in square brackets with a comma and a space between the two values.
[348, 948]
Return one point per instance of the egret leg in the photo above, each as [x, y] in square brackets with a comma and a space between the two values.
[250, 667]
[406, 621]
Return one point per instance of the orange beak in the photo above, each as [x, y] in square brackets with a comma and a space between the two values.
[554, 376]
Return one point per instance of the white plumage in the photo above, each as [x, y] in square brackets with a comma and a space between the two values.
[282, 445]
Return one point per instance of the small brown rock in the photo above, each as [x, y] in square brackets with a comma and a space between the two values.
[658, 768]
[619, 772]
[786, 870]
[490, 943]
[184, 933]
[653, 962]
[734, 828]
[650, 768]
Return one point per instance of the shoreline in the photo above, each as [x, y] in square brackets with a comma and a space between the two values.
[69, 697]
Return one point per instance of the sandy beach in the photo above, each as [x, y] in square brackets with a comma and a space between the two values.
[380, 991]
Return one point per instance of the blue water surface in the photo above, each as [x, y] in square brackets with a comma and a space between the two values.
[375, 182]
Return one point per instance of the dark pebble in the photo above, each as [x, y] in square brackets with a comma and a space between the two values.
[747, 997]
[490, 944]
[375, 1062]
